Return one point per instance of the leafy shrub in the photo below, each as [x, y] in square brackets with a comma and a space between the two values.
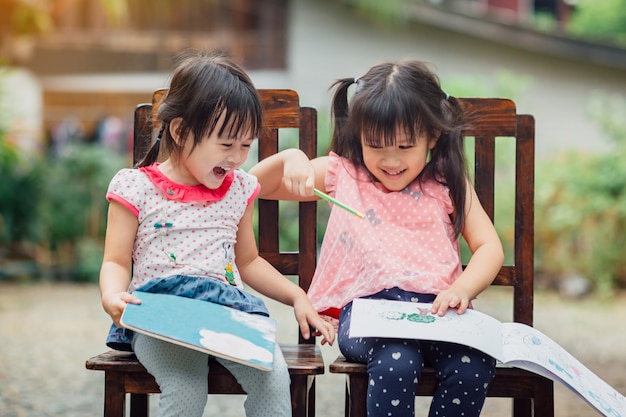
[18, 206]
[73, 208]
[19, 186]
[580, 226]
[601, 20]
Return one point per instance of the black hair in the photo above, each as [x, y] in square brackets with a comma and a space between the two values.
[407, 97]
[203, 87]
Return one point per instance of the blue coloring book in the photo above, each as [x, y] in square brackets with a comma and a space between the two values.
[208, 327]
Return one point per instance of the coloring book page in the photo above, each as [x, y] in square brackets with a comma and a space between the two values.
[387, 318]
[513, 344]
[208, 327]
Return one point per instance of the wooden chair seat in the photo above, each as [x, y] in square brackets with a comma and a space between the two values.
[509, 382]
[123, 374]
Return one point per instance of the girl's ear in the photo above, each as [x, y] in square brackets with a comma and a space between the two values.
[175, 128]
[433, 140]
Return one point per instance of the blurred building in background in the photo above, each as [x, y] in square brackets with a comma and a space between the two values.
[76, 48]
[97, 59]
[87, 36]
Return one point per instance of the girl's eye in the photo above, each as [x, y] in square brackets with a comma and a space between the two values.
[403, 147]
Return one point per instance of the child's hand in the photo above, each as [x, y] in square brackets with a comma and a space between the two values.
[115, 303]
[298, 174]
[307, 317]
[450, 298]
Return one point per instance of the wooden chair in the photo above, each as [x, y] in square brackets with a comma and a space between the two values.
[124, 374]
[532, 394]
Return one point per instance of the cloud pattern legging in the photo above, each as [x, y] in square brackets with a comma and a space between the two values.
[394, 366]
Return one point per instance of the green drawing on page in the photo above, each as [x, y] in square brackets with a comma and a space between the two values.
[420, 317]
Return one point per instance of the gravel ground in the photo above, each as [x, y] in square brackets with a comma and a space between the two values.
[48, 331]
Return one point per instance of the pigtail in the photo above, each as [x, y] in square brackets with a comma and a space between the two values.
[340, 111]
[153, 153]
[448, 156]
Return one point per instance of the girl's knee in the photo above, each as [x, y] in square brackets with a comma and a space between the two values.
[401, 358]
[269, 393]
[464, 366]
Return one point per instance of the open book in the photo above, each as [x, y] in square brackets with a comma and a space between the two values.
[208, 327]
[513, 344]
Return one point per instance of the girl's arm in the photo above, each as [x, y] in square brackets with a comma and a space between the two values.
[264, 278]
[117, 261]
[290, 175]
[487, 258]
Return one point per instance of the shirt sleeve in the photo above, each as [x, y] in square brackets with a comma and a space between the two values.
[126, 188]
[250, 185]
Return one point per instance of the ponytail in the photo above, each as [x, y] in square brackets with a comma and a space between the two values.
[153, 153]
[340, 111]
[447, 164]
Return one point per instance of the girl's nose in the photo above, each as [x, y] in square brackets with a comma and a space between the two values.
[390, 159]
[237, 157]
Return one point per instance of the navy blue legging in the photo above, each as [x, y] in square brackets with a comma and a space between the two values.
[394, 367]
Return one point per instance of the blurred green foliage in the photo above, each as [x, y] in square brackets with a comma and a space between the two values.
[19, 187]
[73, 208]
[601, 20]
[580, 226]
[54, 211]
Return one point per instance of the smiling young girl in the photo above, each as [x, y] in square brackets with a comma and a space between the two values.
[397, 156]
[184, 227]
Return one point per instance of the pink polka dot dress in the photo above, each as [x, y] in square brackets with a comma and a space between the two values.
[406, 240]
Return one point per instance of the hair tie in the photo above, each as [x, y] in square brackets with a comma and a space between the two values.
[359, 85]
[158, 139]
[447, 96]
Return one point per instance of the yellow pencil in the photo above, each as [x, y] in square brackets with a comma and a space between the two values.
[337, 203]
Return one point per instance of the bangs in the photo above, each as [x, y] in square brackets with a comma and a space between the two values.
[242, 114]
[240, 125]
[380, 126]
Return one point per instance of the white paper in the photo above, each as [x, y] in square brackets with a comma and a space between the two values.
[513, 344]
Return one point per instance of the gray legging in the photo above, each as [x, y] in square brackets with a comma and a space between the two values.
[181, 374]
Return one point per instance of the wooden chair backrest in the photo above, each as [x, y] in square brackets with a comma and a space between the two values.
[282, 110]
[498, 118]
[495, 119]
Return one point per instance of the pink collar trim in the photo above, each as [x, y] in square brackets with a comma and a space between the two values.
[186, 193]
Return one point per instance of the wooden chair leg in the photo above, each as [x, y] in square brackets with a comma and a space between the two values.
[114, 395]
[311, 397]
[357, 385]
[299, 395]
[139, 405]
[544, 398]
[522, 407]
